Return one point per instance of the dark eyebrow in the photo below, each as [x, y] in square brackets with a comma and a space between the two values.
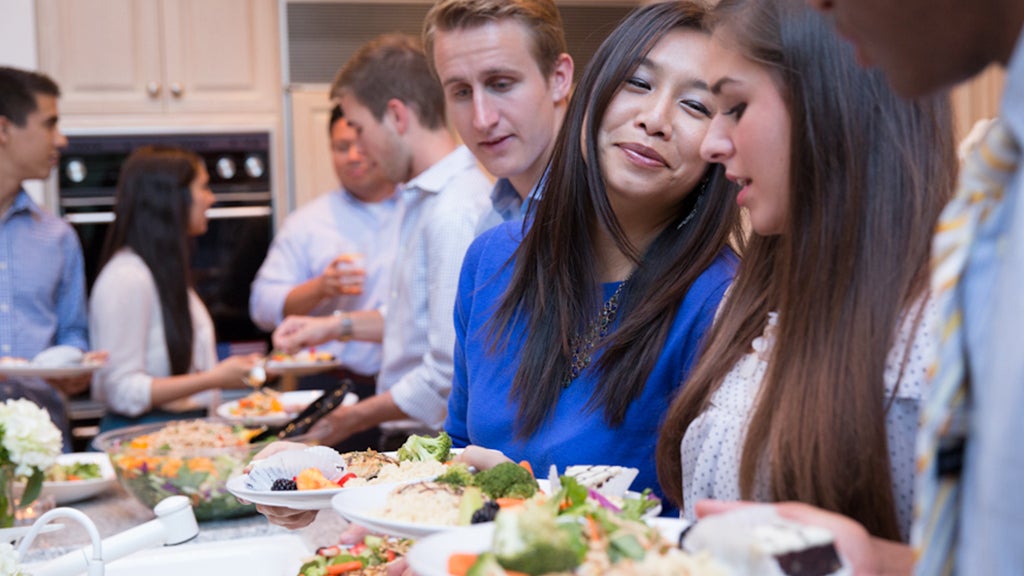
[716, 88]
[654, 67]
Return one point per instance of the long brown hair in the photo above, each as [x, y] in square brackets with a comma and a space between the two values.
[153, 203]
[869, 175]
[554, 288]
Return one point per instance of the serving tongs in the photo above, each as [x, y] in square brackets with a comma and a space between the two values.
[308, 417]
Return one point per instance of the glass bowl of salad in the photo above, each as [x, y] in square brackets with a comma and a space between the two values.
[192, 458]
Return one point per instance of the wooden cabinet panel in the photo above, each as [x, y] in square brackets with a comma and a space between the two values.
[160, 56]
[105, 54]
[312, 167]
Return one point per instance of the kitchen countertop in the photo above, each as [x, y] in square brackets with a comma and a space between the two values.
[115, 511]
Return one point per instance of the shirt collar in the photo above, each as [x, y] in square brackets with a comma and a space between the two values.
[434, 179]
[23, 203]
[507, 202]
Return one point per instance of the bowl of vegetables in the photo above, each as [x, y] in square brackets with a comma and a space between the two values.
[75, 477]
[191, 458]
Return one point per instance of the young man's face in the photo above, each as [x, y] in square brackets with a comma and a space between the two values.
[34, 149]
[378, 139]
[921, 45]
[360, 175]
[504, 109]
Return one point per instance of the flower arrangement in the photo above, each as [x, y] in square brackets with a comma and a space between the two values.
[29, 444]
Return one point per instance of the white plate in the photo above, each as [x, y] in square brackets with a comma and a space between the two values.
[293, 403]
[14, 534]
[69, 491]
[297, 369]
[27, 370]
[429, 556]
[294, 499]
[363, 505]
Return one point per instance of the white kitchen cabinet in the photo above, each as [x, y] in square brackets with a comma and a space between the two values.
[117, 57]
[312, 167]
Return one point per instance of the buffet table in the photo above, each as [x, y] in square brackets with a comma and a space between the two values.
[115, 511]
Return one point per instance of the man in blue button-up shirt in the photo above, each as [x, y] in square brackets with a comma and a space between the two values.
[42, 279]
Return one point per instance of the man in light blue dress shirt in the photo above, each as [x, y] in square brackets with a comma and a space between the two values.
[42, 275]
[924, 46]
[306, 270]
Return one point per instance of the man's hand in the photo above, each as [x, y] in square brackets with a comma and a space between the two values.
[297, 332]
[344, 275]
[74, 385]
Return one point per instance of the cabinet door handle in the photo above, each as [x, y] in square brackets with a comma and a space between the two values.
[177, 89]
[153, 89]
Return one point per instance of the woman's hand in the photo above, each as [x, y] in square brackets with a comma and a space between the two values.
[297, 332]
[481, 458]
[866, 554]
[233, 371]
[279, 515]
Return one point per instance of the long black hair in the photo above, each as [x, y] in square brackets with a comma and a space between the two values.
[152, 208]
[555, 290]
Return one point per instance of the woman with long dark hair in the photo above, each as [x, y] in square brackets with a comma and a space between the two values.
[575, 329]
[143, 309]
[809, 386]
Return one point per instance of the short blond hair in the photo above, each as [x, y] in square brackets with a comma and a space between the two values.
[541, 19]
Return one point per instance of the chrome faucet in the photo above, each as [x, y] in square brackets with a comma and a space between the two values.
[175, 523]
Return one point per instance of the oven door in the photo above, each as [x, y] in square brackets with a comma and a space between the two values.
[224, 263]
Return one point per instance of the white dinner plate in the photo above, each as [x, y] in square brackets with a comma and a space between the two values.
[68, 491]
[298, 369]
[292, 402]
[294, 499]
[34, 370]
[363, 505]
[429, 555]
[14, 534]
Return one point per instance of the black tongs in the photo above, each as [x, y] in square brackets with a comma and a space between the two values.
[305, 419]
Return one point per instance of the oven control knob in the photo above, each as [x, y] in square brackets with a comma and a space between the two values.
[75, 170]
[254, 166]
[225, 168]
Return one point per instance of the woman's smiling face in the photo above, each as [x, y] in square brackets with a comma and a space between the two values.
[750, 135]
[650, 135]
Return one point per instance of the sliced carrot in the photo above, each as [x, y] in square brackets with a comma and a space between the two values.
[595, 530]
[342, 567]
[526, 464]
[509, 502]
[459, 564]
[514, 573]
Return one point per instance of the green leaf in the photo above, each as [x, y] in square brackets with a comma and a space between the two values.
[32, 488]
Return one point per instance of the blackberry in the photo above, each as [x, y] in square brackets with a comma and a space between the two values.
[486, 513]
[284, 484]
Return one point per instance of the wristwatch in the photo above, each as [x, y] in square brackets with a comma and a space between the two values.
[346, 325]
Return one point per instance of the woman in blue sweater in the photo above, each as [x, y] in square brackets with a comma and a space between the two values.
[575, 329]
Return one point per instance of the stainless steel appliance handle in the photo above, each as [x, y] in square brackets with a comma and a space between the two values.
[89, 217]
[237, 212]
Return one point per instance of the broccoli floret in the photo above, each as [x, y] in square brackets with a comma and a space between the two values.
[529, 539]
[425, 448]
[507, 480]
[458, 474]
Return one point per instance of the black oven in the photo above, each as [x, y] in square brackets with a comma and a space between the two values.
[226, 258]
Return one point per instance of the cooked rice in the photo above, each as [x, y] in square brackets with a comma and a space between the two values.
[424, 503]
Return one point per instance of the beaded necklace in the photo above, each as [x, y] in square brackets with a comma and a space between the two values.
[583, 344]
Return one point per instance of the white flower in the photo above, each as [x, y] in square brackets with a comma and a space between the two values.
[31, 440]
[9, 561]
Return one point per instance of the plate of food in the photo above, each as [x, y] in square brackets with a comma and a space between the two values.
[538, 538]
[78, 476]
[460, 497]
[308, 479]
[54, 362]
[366, 558]
[301, 363]
[271, 408]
